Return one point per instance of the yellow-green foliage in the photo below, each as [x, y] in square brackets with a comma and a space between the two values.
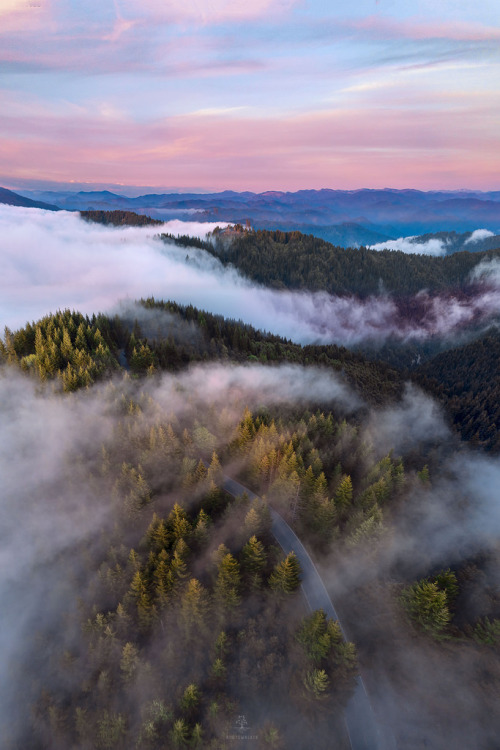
[66, 345]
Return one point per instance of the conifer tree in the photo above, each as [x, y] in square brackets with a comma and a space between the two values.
[343, 495]
[215, 470]
[178, 522]
[190, 699]
[194, 608]
[316, 683]
[428, 606]
[285, 577]
[129, 661]
[253, 559]
[227, 585]
[179, 733]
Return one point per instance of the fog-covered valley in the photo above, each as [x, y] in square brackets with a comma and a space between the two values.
[145, 607]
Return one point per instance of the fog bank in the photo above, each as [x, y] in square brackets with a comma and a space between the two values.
[53, 261]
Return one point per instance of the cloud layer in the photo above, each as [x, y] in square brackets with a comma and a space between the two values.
[55, 260]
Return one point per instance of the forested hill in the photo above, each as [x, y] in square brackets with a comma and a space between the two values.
[13, 199]
[155, 336]
[467, 382]
[296, 261]
[292, 260]
[119, 218]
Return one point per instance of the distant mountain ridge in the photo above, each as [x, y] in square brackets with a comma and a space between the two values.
[14, 199]
[326, 213]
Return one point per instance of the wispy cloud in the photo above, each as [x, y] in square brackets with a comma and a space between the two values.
[197, 11]
[343, 147]
[384, 27]
[408, 245]
[303, 96]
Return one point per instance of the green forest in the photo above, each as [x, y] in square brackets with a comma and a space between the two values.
[188, 582]
[118, 218]
[292, 260]
[296, 261]
[172, 617]
[79, 350]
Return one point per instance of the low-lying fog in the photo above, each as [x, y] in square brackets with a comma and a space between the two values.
[56, 260]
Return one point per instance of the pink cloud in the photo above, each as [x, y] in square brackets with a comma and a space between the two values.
[26, 16]
[388, 28]
[344, 148]
[217, 11]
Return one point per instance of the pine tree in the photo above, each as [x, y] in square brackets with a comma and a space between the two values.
[321, 488]
[254, 559]
[227, 585]
[285, 577]
[178, 564]
[111, 731]
[142, 600]
[178, 522]
[200, 473]
[179, 733]
[190, 699]
[258, 519]
[197, 736]
[221, 645]
[194, 608]
[316, 683]
[343, 495]
[308, 483]
[318, 635]
[201, 527]
[215, 470]
[164, 578]
[428, 606]
[129, 661]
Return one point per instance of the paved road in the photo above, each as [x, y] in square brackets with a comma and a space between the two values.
[359, 717]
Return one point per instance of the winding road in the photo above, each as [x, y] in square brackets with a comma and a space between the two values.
[364, 734]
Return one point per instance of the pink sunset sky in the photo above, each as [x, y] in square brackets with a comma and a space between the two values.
[267, 94]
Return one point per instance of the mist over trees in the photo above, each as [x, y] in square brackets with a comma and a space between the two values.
[146, 606]
[173, 613]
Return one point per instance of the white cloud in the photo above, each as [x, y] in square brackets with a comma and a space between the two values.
[477, 235]
[55, 260]
[408, 245]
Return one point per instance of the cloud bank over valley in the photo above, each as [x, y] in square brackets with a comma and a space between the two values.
[54, 261]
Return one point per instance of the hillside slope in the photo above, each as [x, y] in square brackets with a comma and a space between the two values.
[13, 199]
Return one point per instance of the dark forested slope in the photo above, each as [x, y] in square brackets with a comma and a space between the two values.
[467, 381]
[296, 261]
[118, 218]
[158, 335]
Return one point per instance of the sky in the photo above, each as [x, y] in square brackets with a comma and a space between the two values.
[260, 95]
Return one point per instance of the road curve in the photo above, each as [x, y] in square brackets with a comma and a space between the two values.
[359, 717]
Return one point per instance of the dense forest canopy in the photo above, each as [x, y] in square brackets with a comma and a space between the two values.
[297, 261]
[184, 580]
[118, 218]
[147, 606]
[158, 335]
[155, 336]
